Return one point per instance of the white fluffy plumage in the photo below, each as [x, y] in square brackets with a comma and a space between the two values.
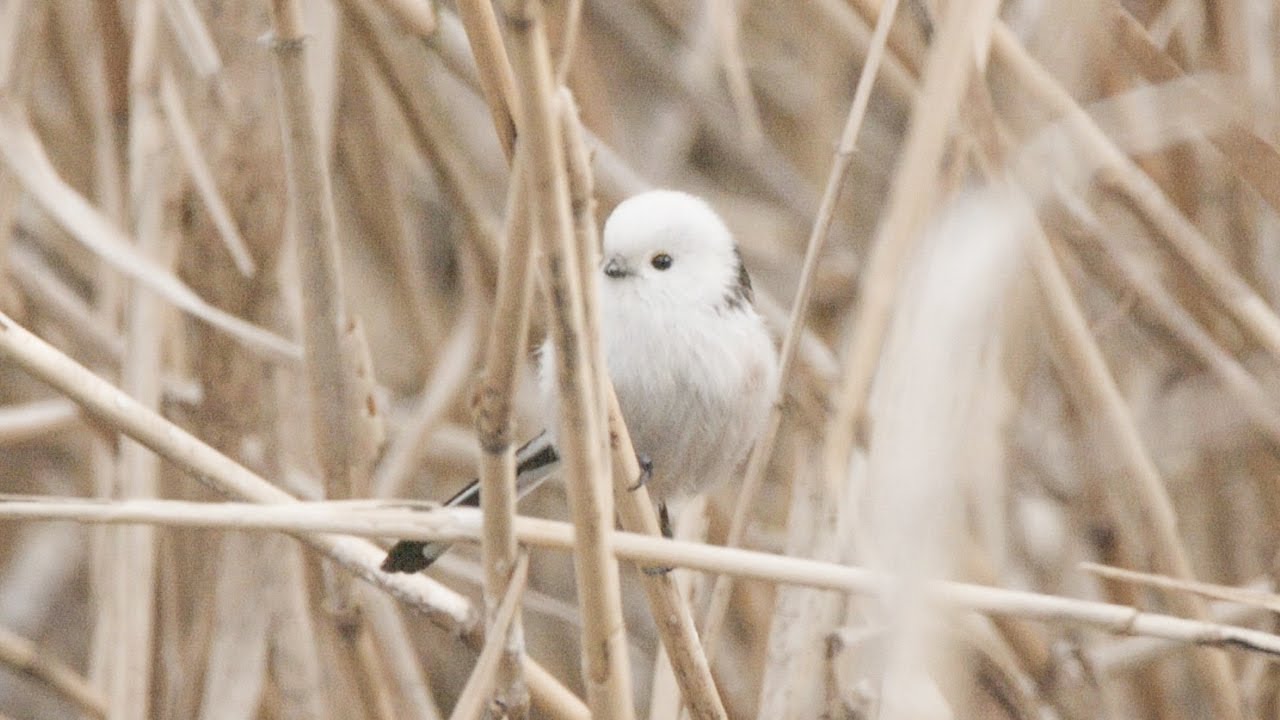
[690, 358]
[692, 362]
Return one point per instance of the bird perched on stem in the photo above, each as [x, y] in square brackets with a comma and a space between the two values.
[693, 365]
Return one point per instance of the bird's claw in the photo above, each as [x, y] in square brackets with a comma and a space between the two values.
[646, 472]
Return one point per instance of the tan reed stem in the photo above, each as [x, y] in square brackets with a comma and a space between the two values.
[497, 83]
[331, 341]
[670, 612]
[508, 333]
[312, 519]
[485, 677]
[118, 411]
[606, 667]
[26, 658]
[722, 592]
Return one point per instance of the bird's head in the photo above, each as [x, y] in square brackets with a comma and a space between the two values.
[670, 246]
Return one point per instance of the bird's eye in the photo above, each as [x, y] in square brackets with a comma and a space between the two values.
[661, 261]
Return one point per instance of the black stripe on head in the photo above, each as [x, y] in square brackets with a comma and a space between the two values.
[739, 295]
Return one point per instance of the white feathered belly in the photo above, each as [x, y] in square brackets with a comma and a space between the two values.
[695, 390]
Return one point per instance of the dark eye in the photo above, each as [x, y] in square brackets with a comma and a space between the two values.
[661, 261]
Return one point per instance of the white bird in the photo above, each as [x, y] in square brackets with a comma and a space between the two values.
[693, 365]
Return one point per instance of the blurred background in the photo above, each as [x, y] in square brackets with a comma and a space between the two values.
[1002, 444]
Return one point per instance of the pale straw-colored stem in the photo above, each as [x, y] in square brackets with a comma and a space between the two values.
[670, 612]
[464, 524]
[25, 657]
[485, 676]
[325, 326]
[754, 477]
[118, 411]
[508, 333]
[606, 666]
[497, 83]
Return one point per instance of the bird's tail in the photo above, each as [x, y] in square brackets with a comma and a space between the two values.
[535, 460]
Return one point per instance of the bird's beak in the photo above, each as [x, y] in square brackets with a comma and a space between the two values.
[615, 267]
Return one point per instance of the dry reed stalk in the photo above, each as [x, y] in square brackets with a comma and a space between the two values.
[1130, 654]
[606, 669]
[25, 657]
[25, 422]
[227, 477]
[194, 39]
[198, 167]
[25, 157]
[1087, 233]
[414, 695]
[453, 370]
[326, 329]
[725, 20]
[417, 16]
[132, 554]
[1088, 380]
[569, 40]
[665, 699]
[311, 201]
[1179, 234]
[464, 524]
[484, 680]
[841, 162]
[667, 606]
[1262, 599]
[236, 662]
[945, 79]
[508, 336]
[800, 617]
[497, 83]
[400, 67]
[295, 660]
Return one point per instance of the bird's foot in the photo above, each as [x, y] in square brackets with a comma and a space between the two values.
[646, 472]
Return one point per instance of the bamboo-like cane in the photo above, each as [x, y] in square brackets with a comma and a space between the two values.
[606, 668]
[464, 524]
[324, 327]
[24, 656]
[509, 330]
[718, 606]
[118, 411]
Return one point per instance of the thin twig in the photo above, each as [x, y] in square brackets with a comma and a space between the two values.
[670, 612]
[23, 656]
[464, 524]
[508, 334]
[224, 475]
[484, 677]
[754, 476]
[606, 667]
[23, 154]
[496, 80]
